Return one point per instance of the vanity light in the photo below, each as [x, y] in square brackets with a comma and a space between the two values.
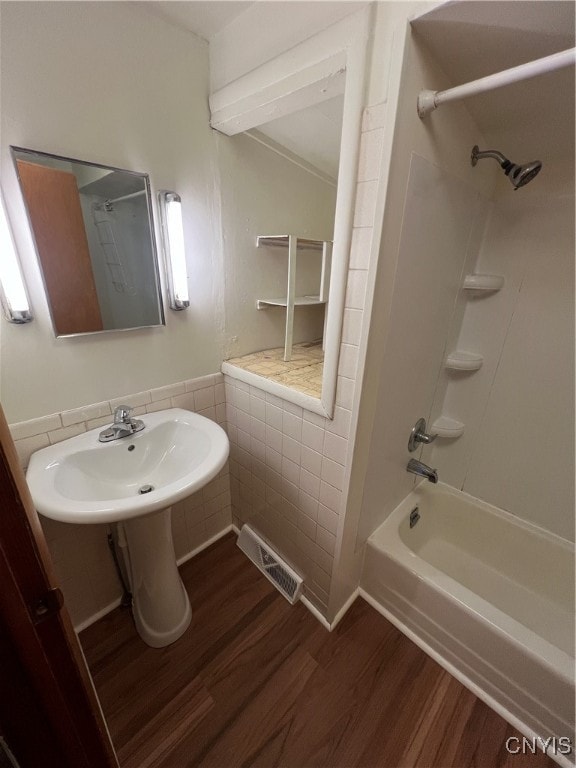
[13, 293]
[173, 242]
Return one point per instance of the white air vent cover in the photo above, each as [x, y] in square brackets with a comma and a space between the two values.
[276, 570]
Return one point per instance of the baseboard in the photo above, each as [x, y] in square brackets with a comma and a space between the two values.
[316, 613]
[344, 610]
[480, 693]
[208, 543]
[98, 615]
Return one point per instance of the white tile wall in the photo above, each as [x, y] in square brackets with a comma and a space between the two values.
[82, 560]
[288, 479]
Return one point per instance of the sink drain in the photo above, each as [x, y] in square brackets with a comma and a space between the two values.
[145, 489]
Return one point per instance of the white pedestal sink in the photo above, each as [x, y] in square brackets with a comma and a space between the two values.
[161, 606]
[133, 481]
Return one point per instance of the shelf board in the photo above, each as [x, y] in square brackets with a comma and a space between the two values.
[464, 361]
[281, 241]
[299, 301]
[444, 426]
[483, 282]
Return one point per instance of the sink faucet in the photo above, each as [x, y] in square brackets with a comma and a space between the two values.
[422, 470]
[123, 425]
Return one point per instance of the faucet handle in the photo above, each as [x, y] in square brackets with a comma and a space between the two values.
[419, 435]
[122, 414]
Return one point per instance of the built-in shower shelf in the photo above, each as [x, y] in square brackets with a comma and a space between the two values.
[299, 301]
[464, 361]
[444, 426]
[483, 282]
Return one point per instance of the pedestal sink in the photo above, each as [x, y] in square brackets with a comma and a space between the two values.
[133, 481]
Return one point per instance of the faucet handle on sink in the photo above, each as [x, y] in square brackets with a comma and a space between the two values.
[122, 414]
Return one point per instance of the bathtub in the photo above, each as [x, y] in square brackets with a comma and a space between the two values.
[489, 596]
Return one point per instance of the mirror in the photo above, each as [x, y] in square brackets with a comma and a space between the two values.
[292, 191]
[92, 226]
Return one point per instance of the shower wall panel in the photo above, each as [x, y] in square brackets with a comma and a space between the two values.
[439, 239]
[517, 451]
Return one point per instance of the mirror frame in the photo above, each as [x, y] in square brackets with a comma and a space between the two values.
[267, 94]
[149, 206]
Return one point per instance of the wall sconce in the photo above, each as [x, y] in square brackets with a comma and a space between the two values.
[13, 291]
[174, 253]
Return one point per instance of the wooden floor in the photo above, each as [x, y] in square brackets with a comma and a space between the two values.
[258, 682]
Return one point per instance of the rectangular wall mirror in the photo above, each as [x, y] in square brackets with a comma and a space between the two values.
[92, 226]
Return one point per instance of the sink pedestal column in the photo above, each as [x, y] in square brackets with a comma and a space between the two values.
[161, 607]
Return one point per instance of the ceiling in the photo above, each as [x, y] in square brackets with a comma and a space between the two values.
[311, 134]
[202, 17]
[472, 39]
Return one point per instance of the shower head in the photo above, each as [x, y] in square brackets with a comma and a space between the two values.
[519, 175]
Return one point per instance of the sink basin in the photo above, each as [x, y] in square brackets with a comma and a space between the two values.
[83, 481]
[132, 482]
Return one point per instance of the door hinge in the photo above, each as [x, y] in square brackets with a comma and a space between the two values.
[48, 605]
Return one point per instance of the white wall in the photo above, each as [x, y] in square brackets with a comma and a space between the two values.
[109, 83]
[262, 193]
[151, 115]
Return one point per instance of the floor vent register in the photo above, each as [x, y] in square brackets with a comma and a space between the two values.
[284, 578]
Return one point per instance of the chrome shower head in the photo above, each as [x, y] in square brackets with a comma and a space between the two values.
[519, 175]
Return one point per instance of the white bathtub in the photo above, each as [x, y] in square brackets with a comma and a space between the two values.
[489, 596]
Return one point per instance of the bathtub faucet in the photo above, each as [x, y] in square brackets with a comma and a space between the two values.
[422, 470]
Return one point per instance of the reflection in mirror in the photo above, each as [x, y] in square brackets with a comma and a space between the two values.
[92, 225]
[309, 138]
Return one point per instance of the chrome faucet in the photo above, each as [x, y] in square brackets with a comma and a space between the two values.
[123, 425]
[419, 435]
[422, 470]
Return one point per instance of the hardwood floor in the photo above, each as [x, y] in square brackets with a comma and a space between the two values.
[258, 682]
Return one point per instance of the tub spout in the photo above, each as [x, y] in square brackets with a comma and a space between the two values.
[422, 470]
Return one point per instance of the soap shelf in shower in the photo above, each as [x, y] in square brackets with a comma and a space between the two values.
[464, 361]
[299, 301]
[294, 245]
[483, 282]
[444, 426]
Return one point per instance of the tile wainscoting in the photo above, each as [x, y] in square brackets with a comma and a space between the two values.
[82, 560]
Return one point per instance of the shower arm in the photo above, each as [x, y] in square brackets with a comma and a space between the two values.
[428, 100]
[480, 155]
